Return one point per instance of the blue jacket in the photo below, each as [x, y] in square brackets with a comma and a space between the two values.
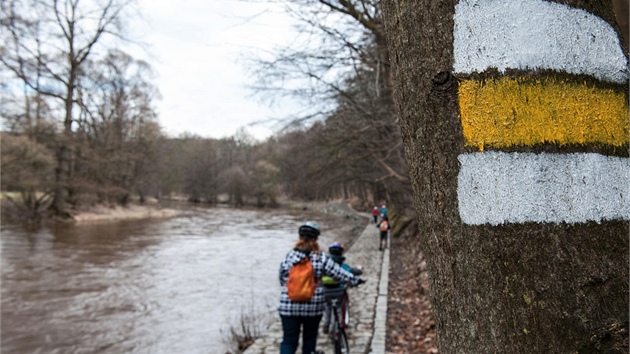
[329, 281]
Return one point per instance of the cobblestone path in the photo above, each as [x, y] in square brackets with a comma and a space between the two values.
[368, 302]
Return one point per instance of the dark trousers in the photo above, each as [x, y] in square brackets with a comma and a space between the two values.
[383, 244]
[291, 333]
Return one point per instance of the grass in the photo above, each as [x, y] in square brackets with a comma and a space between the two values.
[247, 328]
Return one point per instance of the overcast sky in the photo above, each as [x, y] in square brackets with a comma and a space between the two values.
[197, 46]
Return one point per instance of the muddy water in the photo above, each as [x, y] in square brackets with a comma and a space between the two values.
[146, 286]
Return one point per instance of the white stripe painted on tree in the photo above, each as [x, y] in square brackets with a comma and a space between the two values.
[497, 187]
[535, 34]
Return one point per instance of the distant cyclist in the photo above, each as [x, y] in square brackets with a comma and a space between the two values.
[306, 315]
[336, 253]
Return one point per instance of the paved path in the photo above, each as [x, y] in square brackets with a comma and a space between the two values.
[368, 303]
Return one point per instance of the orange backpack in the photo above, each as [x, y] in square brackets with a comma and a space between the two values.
[384, 225]
[301, 285]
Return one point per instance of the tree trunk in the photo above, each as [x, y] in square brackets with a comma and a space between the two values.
[65, 152]
[533, 265]
[621, 13]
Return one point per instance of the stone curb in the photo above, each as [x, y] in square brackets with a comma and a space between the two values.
[380, 319]
[368, 303]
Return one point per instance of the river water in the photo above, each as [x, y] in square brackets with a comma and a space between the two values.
[172, 285]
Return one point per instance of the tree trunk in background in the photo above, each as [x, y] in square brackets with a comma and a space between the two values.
[65, 153]
[521, 189]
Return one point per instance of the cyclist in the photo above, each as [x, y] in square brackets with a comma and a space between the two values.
[336, 250]
[305, 316]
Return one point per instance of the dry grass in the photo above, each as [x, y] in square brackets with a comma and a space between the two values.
[247, 328]
[102, 213]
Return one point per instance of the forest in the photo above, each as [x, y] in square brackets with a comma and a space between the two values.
[80, 126]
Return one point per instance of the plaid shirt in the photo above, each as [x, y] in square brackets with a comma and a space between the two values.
[322, 265]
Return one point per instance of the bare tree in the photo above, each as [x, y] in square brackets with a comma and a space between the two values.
[46, 45]
[236, 182]
[265, 181]
[116, 127]
[26, 169]
[340, 65]
[201, 178]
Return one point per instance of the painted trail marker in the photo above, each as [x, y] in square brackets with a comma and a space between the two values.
[531, 111]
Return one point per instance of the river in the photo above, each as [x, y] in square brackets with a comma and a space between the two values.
[173, 285]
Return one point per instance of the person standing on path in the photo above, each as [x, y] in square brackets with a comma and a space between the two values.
[297, 316]
[383, 211]
[384, 227]
[375, 213]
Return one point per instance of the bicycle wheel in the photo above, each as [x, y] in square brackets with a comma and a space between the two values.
[341, 344]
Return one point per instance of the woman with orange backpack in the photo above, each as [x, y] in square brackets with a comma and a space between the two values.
[384, 227]
[302, 300]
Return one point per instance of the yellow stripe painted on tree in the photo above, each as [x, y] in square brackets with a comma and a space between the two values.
[511, 111]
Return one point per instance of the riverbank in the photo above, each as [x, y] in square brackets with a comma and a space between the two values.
[410, 323]
[105, 214]
[102, 213]
[148, 280]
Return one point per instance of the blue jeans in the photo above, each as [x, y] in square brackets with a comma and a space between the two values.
[291, 326]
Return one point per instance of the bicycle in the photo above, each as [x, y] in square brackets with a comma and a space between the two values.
[338, 298]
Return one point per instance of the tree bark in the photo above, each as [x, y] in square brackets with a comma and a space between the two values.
[621, 13]
[536, 286]
[65, 151]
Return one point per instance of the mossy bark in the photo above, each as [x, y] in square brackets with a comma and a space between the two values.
[514, 288]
